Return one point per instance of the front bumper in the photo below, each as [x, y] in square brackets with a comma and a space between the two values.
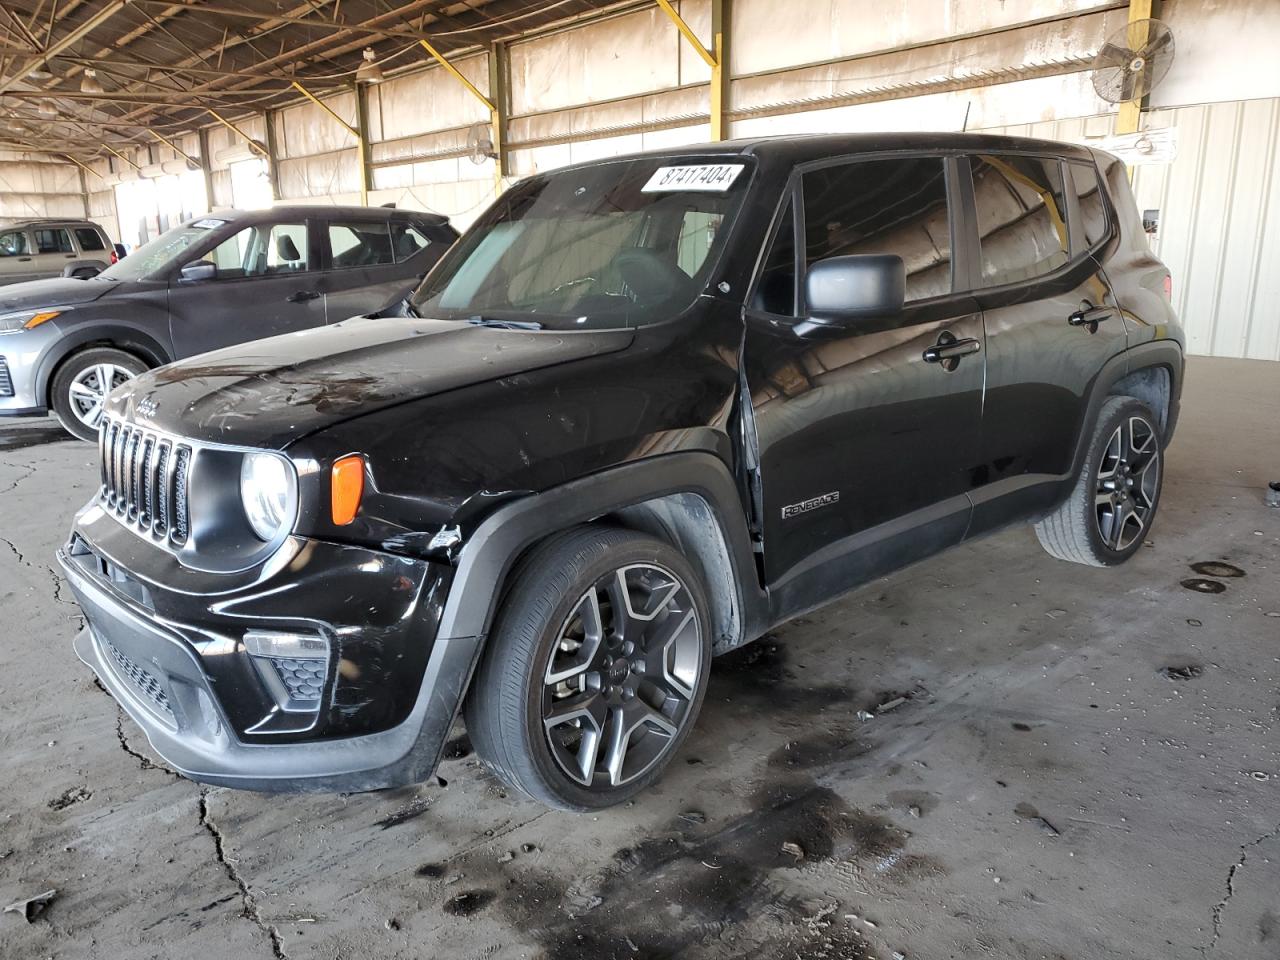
[20, 356]
[176, 662]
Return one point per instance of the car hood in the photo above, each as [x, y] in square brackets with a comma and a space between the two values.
[55, 292]
[271, 392]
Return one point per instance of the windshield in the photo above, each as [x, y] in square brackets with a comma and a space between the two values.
[613, 244]
[160, 254]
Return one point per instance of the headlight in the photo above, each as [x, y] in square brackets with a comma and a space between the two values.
[268, 494]
[13, 322]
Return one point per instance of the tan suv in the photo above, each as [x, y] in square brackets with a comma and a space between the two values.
[37, 248]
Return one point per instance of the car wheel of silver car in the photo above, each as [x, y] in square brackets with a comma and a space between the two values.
[81, 385]
[595, 670]
[1109, 512]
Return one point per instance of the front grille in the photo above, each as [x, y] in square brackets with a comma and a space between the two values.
[142, 679]
[144, 482]
[6, 381]
[304, 679]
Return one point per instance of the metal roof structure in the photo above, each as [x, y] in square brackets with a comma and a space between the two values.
[77, 75]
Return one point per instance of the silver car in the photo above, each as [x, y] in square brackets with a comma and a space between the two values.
[35, 249]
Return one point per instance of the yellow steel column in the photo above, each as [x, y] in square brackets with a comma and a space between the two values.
[84, 168]
[253, 144]
[499, 78]
[1129, 116]
[720, 71]
[495, 103]
[360, 140]
[174, 147]
[123, 157]
[714, 58]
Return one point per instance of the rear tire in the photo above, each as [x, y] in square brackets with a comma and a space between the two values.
[1110, 510]
[595, 670]
[77, 392]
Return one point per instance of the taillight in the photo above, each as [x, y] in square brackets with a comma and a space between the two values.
[1168, 287]
[114, 258]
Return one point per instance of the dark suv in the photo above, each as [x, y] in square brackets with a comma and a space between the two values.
[222, 279]
[644, 410]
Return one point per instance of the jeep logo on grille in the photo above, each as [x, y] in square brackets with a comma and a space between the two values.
[147, 406]
[804, 506]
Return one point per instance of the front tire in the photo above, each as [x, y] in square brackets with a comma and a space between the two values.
[595, 671]
[81, 385]
[1109, 512]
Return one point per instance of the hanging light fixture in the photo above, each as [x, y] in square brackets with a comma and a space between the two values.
[40, 71]
[91, 83]
[46, 109]
[369, 71]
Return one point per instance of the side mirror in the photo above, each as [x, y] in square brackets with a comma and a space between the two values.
[849, 288]
[198, 270]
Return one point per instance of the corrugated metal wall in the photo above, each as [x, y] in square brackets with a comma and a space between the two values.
[1219, 203]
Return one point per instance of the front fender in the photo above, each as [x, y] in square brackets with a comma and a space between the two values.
[487, 557]
[129, 337]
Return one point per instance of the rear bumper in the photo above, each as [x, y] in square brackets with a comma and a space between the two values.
[186, 686]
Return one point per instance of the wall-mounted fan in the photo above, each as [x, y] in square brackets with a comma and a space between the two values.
[1133, 61]
[479, 143]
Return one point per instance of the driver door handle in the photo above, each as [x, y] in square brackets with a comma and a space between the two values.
[954, 350]
[302, 296]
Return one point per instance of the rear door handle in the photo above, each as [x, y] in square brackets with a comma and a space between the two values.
[302, 296]
[1091, 316]
[948, 352]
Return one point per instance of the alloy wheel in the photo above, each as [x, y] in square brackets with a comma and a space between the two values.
[1128, 481]
[89, 388]
[621, 676]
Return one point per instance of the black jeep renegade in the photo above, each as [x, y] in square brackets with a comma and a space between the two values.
[645, 409]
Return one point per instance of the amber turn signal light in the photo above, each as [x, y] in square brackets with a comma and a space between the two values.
[39, 318]
[346, 488]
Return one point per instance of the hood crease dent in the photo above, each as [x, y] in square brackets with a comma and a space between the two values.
[272, 392]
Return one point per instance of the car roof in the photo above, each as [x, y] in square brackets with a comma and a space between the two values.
[304, 210]
[12, 222]
[820, 146]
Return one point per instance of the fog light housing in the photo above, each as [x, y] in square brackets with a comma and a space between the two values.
[293, 667]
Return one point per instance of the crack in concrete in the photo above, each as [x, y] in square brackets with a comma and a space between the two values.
[144, 761]
[249, 909]
[1221, 905]
[53, 575]
[30, 468]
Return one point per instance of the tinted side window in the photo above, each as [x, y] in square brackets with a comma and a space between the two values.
[359, 245]
[261, 250]
[14, 244]
[1091, 225]
[54, 241]
[1022, 221]
[406, 240]
[776, 287]
[894, 206]
[89, 239]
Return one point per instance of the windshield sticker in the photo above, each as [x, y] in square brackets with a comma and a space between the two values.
[707, 177]
[209, 223]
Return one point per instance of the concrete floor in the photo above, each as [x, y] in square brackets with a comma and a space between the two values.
[1045, 791]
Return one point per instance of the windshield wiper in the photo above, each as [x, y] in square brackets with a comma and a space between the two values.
[504, 324]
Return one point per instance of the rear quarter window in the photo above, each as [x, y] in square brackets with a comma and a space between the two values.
[359, 244]
[89, 239]
[1090, 225]
[1022, 218]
